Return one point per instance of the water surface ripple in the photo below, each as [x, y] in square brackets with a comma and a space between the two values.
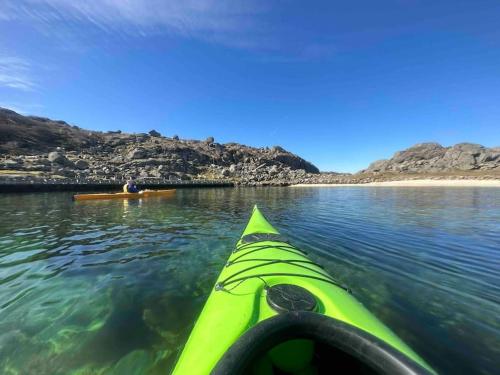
[114, 287]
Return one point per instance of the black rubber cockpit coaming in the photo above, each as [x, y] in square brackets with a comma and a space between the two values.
[364, 347]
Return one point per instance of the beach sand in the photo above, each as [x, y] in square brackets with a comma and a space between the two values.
[416, 183]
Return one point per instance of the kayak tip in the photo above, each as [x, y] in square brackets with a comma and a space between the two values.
[258, 223]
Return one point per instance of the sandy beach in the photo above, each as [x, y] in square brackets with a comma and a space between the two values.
[416, 183]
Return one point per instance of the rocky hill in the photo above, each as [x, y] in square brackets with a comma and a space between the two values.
[425, 161]
[41, 148]
[36, 149]
[432, 157]
[30, 135]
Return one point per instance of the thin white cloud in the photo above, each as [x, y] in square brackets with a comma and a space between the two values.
[15, 73]
[220, 21]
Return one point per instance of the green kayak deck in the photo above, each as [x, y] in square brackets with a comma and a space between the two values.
[269, 285]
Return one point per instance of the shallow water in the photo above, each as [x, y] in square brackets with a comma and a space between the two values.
[109, 287]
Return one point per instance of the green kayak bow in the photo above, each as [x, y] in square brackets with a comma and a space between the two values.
[274, 311]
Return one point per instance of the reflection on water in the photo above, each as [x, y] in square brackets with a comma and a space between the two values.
[101, 287]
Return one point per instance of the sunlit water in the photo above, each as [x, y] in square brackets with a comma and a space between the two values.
[114, 287]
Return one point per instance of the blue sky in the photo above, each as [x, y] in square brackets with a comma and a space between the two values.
[341, 83]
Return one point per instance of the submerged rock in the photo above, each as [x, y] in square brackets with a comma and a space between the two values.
[135, 362]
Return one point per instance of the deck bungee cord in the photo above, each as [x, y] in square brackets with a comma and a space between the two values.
[267, 262]
[288, 248]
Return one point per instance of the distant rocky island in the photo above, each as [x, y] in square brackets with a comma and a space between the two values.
[36, 149]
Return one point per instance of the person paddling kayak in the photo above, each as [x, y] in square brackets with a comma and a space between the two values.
[130, 186]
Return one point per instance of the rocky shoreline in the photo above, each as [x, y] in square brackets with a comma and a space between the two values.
[39, 150]
[418, 183]
[30, 173]
[60, 167]
[35, 150]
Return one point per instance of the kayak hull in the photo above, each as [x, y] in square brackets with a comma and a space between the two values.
[145, 194]
[239, 303]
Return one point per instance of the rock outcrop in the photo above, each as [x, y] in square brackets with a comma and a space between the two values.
[432, 157]
[43, 148]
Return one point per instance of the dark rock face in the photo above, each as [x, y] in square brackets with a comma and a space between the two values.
[25, 135]
[53, 149]
[432, 157]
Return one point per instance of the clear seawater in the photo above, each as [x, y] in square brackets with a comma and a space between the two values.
[114, 287]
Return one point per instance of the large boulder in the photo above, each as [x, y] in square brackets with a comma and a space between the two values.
[469, 148]
[81, 164]
[277, 149]
[420, 151]
[141, 137]
[116, 141]
[462, 156]
[137, 153]
[295, 162]
[13, 164]
[57, 157]
[489, 155]
[378, 166]
[154, 133]
[233, 168]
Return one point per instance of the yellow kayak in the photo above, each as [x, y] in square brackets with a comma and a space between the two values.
[143, 194]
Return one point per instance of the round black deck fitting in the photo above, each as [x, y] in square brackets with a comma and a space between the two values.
[287, 297]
